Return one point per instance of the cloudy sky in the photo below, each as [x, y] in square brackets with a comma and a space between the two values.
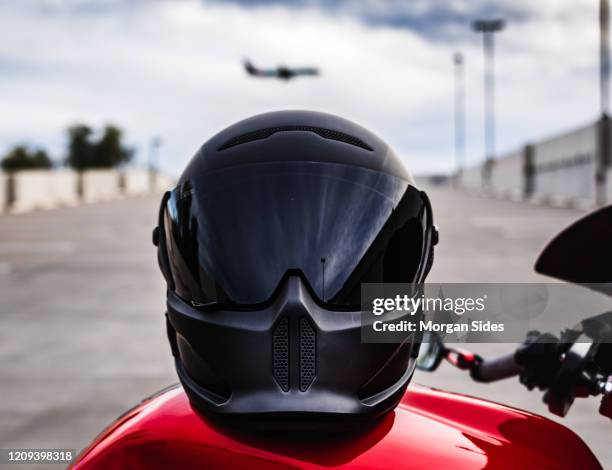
[173, 68]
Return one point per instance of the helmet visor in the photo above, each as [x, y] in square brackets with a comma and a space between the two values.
[233, 234]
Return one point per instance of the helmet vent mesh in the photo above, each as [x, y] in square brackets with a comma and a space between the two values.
[307, 354]
[321, 131]
[280, 354]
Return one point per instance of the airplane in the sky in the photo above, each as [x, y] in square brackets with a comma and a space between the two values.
[282, 72]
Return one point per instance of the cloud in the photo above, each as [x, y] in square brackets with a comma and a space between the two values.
[172, 68]
[437, 21]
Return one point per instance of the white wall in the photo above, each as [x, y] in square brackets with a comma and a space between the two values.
[3, 191]
[565, 165]
[564, 170]
[609, 186]
[471, 178]
[100, 185]
[136, 181]
[30, 190]
[63, 187]
[46, 189]
[507, 178]
[43, 189]
[573, 183]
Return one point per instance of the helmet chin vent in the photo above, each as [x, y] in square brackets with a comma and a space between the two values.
[307, 354]
[280, 354]
[321, 131]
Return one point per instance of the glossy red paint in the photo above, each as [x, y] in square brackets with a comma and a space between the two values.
[429, 429]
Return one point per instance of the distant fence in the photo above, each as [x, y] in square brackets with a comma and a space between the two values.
[570, 169]
[26, 190]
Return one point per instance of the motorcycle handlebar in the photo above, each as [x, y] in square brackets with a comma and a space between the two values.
[502, 367]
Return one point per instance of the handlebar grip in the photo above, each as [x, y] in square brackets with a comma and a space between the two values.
[502, 367]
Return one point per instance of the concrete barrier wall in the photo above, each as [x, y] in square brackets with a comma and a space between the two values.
[136, 182]
[570, 184]
[471, 178]
[565, 165]
[3, 191]
[100, 185]
[580, 141]
[30, 190]
[43, 189]
[507, 175]
[562, 170]
[609, 186]
[26, 190]
[63, 186]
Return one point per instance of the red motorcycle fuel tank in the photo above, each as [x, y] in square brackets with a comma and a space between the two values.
[429, 429]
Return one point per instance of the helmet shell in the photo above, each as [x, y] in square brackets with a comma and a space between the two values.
[301, 136]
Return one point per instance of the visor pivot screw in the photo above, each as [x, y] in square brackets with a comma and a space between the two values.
[435, 235]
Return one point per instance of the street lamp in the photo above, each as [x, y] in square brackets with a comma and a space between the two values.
[459, 114]
[603, 160]
[604, 55]
[488, 28]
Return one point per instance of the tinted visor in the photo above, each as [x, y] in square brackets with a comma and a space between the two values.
[234, 233]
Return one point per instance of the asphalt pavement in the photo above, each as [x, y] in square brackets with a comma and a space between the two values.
[82, 335]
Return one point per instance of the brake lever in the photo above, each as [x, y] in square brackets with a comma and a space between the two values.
[462, 359]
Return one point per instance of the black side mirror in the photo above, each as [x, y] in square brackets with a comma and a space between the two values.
[431, 352]
[582, 253]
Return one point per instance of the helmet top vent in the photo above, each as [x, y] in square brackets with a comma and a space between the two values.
[267, 132]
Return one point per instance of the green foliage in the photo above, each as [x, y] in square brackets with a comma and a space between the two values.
[80, 148]
[21, 158]
[106, 152]
[84, 151]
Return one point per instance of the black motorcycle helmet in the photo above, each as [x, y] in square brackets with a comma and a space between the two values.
[264, 243]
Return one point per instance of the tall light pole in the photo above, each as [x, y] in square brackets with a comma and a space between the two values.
[604, 56]
[604, 99]
[153, 163]
[459, 114]
[488, 28]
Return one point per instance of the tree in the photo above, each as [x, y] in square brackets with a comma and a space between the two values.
[80, 147]
[107, 152]
[21, 158]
